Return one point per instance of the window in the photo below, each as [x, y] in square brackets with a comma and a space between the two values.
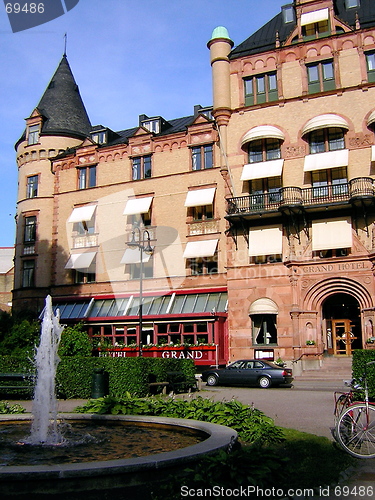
[30, 230]
[203, 265]
[264, 329]
[33, 134]
[326, 139]
[140, 220]
[148, 270]
[141, 168]
[264, 192]
[87, 177]
[32, 186]
[316, 30]
[370, 61]
[100, 137]
[261, 88]
[288, 13]
[28, 273]
[350, 4]
[331, 182]
[264, 150]
[84, 277]
[152, 125]
[204, 212]
[202, 157]
[320, 77]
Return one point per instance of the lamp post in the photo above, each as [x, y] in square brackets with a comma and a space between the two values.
[144, 246]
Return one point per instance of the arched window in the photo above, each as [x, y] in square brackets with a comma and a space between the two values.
[263, 314]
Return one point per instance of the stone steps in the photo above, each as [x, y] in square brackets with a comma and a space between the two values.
[333, 368]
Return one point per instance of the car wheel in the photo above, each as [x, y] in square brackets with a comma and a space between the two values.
[264, 382]
[212, 380]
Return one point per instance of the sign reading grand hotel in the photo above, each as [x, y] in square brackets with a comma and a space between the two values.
[335, 267]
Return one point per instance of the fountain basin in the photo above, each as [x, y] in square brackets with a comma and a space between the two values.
[126, 478]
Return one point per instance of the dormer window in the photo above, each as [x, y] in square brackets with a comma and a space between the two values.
[288, 13]
[351, 4]
[33, 134]
[152, 125]
[100, 137]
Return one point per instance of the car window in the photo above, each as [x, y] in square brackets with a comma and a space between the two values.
[236, 365]
[249, 365]
[258, 364]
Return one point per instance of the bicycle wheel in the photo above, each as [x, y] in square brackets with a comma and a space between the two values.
[355, 430]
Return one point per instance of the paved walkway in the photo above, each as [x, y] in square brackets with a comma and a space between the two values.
[307, 406]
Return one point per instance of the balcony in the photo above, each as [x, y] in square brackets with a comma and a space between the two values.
[360, 188]
[84, 241]
[203, 227]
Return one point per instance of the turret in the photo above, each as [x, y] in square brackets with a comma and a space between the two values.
[58, 122]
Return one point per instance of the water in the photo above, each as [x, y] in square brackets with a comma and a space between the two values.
[44, 428]
[91, 441]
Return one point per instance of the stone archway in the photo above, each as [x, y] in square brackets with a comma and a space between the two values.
[344, 307]
[341, 324]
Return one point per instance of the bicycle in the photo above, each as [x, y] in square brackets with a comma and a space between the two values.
[355, 421]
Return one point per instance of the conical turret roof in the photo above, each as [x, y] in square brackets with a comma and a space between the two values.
[62, 106]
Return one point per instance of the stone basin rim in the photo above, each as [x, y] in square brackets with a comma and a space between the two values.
[219, 437]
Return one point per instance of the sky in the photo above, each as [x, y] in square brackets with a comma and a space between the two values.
[128, 58]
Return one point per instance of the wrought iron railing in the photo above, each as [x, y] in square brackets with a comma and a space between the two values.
[343, 192]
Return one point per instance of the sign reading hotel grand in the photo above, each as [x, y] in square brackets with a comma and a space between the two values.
[336, 267]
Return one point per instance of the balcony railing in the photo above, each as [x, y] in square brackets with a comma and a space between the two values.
[345, 192]
[203, 227]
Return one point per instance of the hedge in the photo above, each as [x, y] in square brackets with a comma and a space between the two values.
[126, 375]
[360, 358]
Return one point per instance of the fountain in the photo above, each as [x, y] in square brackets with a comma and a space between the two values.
[44, 429]
[95, 478]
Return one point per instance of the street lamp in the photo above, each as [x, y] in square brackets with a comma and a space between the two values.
[144, 246]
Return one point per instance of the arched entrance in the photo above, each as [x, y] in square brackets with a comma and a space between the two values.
[342, 321]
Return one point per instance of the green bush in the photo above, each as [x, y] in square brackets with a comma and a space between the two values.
[360, 358]
[21, 339]
[251, 424]
[6, 408]
[75, 342]
[126, 375]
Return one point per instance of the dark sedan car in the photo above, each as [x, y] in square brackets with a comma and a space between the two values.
[249, 372]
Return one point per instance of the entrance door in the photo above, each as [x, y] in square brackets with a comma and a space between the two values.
[343, 337]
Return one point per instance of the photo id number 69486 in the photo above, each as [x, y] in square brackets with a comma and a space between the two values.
[26, 8]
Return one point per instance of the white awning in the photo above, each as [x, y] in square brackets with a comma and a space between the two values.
[138, 205]
[80, 260]
[200, 197]
[261, 170]
[133, 256]
[265, 240]
[371, 119]
[262, 132]
[334, 233]
[330, 159]
[325, 121]
[314, 17]
[83, 213]
[196, 249]
[263, 306]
